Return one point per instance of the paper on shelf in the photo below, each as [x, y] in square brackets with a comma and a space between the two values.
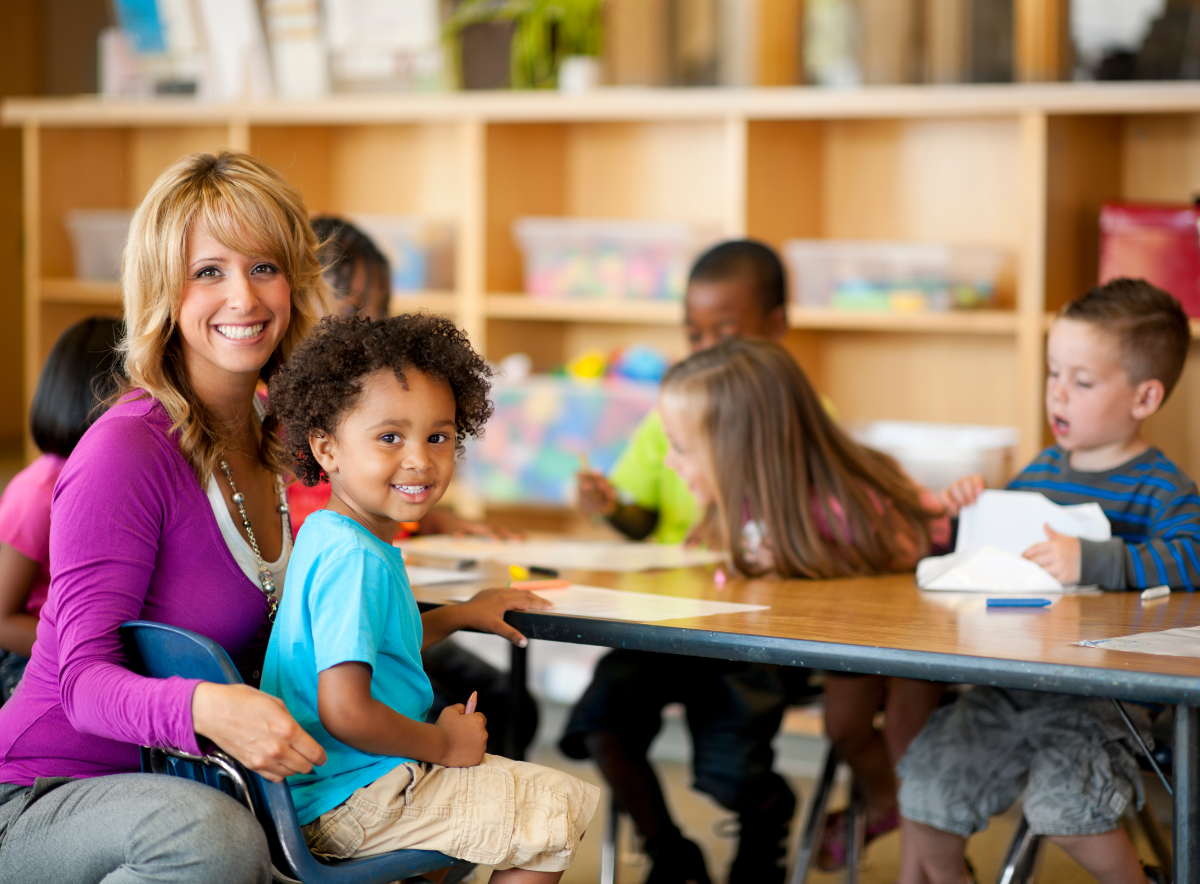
[1182, 642]
[638, 607]
[565, 554]
[421, 576]
[1014, 521]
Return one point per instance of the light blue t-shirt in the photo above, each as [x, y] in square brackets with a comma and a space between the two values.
[348, 599]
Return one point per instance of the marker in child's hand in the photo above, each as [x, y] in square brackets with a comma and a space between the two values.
[472, 701]
[1017, 603]
[1158, 592]
[584, 466]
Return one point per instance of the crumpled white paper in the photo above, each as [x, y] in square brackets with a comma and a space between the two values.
[992, 534]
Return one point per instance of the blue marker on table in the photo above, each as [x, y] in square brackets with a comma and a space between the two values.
[1017, 603]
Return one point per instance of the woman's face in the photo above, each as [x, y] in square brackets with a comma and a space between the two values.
[234, 313]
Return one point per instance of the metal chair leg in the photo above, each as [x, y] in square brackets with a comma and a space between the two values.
[608, 847]
[1022, 855]
[856, 825]
[814, 824]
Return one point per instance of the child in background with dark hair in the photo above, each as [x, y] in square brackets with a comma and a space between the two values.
[737, 289]
[1112, 358]
[379, 410]
[79, 375]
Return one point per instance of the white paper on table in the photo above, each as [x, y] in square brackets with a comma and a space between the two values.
[985, 570]
[421, 576]
[587, 555]
[638, 607]
[1013, 521]
[1182, 642]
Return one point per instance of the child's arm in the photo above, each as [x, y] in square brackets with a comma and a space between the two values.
[18, 629]
[484, 612]
[597, 496]
[352, 715]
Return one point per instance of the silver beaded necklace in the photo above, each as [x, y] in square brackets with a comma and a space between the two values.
[265, 578]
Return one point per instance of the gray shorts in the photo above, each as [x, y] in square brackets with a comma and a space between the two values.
[1072, 756]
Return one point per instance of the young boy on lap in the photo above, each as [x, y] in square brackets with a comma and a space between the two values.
[1113, 356]
[380, 409]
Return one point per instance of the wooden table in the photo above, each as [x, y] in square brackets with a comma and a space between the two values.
[886, 625]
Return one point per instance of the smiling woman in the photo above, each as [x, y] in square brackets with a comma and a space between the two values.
[220, 281]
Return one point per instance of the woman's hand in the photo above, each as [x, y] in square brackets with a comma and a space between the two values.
[465, 735]
[485, 611]
[962, 493]
[255, 728]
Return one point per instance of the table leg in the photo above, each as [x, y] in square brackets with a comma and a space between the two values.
[1186, 822]
[517, 674]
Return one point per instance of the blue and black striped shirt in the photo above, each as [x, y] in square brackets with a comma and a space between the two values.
[1154, 509]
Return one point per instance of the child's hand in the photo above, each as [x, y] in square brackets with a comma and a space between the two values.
[596, 494]
[466, 737]
[1060, 556]
[962, 493]
[485, 611]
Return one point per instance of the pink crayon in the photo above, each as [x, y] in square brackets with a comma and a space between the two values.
[472, 701]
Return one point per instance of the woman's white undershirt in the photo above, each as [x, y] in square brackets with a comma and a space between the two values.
[242, 553]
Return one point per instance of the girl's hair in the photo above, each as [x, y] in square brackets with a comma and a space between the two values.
[82, 371]
[324, 378]
[343, 248]
[245, 206]
[828, 506]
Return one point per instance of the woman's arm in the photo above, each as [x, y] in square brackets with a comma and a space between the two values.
[352, 715]
[255, 728]
[18, 629]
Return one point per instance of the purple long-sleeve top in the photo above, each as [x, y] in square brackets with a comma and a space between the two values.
[132, 537]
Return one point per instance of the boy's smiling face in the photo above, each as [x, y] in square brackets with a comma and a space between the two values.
[392, 456]
[1095, 411]
[720, 309]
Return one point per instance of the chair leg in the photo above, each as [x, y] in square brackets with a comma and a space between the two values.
[608, 848]
[1022, 856]
[814, 824]
[1154, 834]
[856, 825]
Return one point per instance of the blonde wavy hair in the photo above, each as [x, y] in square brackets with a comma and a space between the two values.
[243, 203]
[829, 506]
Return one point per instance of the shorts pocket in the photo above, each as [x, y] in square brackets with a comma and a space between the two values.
[335, 835]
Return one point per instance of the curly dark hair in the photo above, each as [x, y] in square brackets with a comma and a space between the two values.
[325, 374]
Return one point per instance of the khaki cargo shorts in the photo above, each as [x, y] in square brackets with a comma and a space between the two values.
[500, 813]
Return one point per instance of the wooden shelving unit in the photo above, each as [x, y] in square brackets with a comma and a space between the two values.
[1022, 168]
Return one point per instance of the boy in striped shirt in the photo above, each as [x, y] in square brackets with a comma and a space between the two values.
[1113, 356]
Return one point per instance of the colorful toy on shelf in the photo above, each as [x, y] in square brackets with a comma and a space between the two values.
[639, 362]
[589, 366]
[586, 258]
[900, 277]
[542, 425]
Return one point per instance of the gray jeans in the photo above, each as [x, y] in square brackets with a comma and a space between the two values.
[128, 829]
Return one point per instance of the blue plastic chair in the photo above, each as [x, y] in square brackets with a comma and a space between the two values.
[160, 651]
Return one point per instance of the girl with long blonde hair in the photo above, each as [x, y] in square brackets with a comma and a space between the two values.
[170, 509]
[789, 494]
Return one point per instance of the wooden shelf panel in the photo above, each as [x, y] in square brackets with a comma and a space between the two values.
[971, 322]
[67, 290]
[433, 301]
[617, 104]
[583, 310]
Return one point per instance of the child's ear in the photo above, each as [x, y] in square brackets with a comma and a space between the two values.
[1148, 397]
[324, 449]
[775, 324]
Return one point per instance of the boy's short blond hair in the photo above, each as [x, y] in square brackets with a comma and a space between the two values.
[1150, 326]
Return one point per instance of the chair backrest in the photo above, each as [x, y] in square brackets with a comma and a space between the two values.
[161, 651]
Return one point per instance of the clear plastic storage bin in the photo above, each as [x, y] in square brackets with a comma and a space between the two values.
[896, 276]
[616, 260]
[420, 250]
[935, 455]
[541, 426]
[97, 240]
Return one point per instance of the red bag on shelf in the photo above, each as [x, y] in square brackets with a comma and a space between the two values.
[1158, 243]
